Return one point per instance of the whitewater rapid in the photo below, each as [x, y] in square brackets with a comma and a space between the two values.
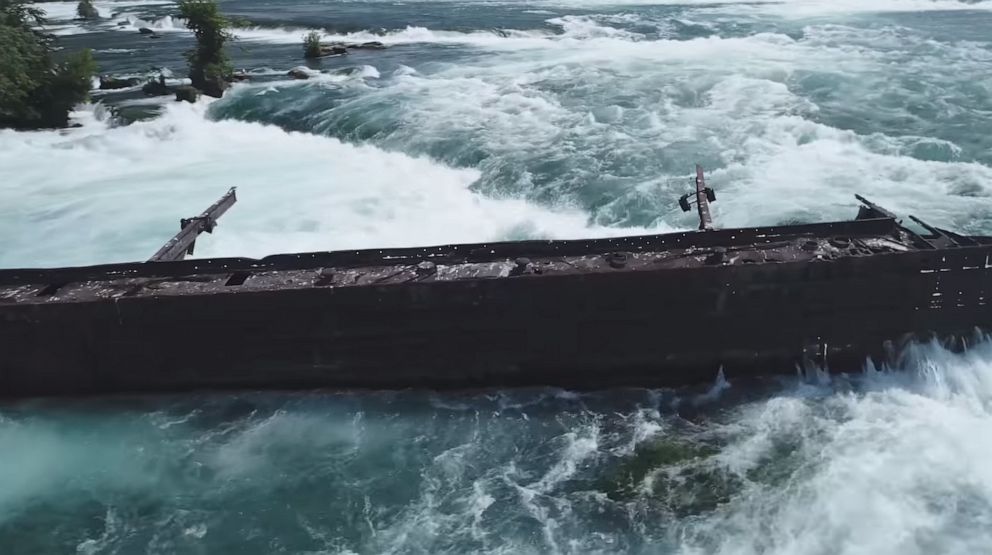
[881, 463]
[567, 125]
[505, 120]
[341, 196]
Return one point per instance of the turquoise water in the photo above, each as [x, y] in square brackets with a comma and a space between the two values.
[488, 120]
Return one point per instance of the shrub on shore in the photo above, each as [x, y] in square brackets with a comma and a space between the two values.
[36, 89]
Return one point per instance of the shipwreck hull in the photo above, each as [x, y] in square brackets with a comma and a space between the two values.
[661, 310]
[657, 310]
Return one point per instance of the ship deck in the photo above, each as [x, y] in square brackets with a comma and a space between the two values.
[523, 259]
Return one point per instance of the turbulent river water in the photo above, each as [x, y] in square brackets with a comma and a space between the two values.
[488, 120]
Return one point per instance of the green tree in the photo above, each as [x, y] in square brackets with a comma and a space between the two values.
[86, 10]
[311, 45]
[17, 13]
[209, 67]
[37, 91]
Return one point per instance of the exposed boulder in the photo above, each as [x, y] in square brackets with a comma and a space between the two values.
[332, 50]
[212, 85]
[298, 73]
[156, 87]
[146, 31]
[187, 93]
[312, 47]
[108, 83]
[373, 45]
[339, 48]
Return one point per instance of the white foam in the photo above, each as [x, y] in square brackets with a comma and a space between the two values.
[586, 27]
[409, 35]
[164, 24]
[62, 11]
[298, 192]
[67, 30]
[781, 163]
[577, 448]
[893, 468]
[784, 8]
[819, 8]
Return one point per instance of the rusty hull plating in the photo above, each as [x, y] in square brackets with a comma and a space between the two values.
[654, 310]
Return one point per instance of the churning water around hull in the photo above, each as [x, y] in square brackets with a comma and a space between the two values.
[882, 463]
[298, 192]
[488, 120]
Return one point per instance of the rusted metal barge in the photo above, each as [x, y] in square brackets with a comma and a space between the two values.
[655, 310]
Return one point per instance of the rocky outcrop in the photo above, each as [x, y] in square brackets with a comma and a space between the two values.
[108, 83]
[187, 93]
[212, 85]
[156, 87]
[373, 45]
[342, 48]
[332, 50]
[298, 73]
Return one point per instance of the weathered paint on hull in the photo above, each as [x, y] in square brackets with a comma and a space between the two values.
[596, 330]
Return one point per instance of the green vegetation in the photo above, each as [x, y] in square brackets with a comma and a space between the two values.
[311, 45]
[86, 10]
[209, 67]
[36, 90]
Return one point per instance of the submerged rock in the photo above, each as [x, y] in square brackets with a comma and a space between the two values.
[187, 93]
[108, 83]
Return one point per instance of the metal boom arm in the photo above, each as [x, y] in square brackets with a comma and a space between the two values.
[704, 196]
[702, 201]
[190, 228]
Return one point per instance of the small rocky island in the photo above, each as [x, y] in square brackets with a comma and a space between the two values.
[313, 48]
[39, 88]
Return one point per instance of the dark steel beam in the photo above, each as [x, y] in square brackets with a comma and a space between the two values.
[702, 202]
[183, 242]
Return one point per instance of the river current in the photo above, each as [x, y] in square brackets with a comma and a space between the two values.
[512, 119]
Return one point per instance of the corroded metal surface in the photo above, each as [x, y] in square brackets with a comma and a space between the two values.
[589, 313]
[182, 244]
[460, 262]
